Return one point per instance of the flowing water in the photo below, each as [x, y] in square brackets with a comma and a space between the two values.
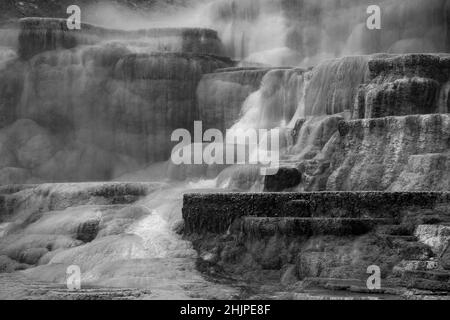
[106, 108]
[137, 247]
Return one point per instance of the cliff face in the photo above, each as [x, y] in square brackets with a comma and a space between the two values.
[375, 128]
[393, 153]
[92, 104]
[111, 99]
[402, 141]
[404, 85]
[323, 239]
[401, 102]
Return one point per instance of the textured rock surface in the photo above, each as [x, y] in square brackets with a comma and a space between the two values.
[28, 200]
[435, 236]
[373, 154]
[98, 103]
[116, 234]
[446, 259]
[384, 153]
[405, 85]
[101, 105]
[260, 227]
[325, 240]
[215, 213]
[43, 221]
[425, 172]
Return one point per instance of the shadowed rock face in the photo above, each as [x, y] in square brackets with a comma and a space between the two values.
[215, 213]
[284, 179]
[294, 236]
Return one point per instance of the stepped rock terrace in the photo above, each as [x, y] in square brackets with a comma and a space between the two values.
[308, 241]
[42, 34]
[364, 149]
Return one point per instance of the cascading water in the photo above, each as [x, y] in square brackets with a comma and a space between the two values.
[253, 29]
[444, 98]
[136, 247]
[305, 32]
[6, 54]
[301, 32]
[318, 99]
[275, 103]
[166, 263]
[101, 105]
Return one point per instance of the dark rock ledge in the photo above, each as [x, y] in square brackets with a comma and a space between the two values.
[298, 242]
[204, 213]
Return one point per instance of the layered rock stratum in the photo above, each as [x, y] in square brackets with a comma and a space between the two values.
[77, 106]
[365, 142]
